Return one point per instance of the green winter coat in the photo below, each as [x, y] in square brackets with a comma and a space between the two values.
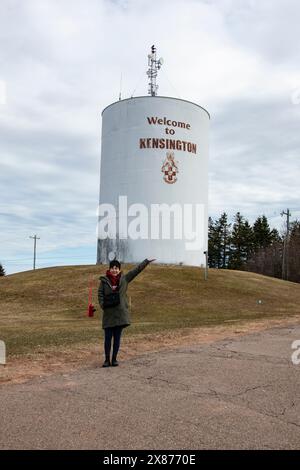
[119, 315]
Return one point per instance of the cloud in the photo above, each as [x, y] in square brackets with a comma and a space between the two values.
[62, 64]
[257, 173]
[2, 92]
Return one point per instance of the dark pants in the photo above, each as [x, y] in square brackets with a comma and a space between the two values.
[114, 332]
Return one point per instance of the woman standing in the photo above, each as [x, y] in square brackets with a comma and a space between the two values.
[114, 303]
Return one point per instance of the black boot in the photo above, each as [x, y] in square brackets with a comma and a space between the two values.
[114, 362]
[106, 363]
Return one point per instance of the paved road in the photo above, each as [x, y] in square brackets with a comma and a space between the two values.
[239, 393]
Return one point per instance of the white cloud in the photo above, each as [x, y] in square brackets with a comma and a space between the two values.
[63, 61]
[2, 92]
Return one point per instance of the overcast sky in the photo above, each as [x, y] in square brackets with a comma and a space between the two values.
[60, 65]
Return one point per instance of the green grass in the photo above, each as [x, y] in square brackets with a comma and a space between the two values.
[46, 308]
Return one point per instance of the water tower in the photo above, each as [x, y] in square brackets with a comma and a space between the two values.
[154, 178]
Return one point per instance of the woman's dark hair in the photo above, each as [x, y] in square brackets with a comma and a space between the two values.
[113, 263]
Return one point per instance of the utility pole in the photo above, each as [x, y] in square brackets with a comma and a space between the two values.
[285, 257]
[35, 238]
[206, 265]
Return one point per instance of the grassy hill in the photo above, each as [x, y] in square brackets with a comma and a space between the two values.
[46, 308]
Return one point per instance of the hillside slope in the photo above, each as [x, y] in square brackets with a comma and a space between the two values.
[47, 307]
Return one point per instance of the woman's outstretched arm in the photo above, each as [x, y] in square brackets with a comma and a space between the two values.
[139, 268]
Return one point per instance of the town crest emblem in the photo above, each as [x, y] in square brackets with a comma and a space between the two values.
[170, 169]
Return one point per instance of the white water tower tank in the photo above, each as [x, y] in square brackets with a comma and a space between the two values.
[155, 154]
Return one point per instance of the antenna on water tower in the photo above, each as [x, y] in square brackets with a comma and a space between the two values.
[154, 66]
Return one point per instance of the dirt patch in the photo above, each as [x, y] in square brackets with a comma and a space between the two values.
[39, 364]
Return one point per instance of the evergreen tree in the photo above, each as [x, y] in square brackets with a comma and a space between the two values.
[248, 240]
[214, 245]
[241, 242]
[275, 237]
[293, 252]
[2, 271]
[295, 230]
[223, 228]
[262, 233]
[268, 250]
[218, 242]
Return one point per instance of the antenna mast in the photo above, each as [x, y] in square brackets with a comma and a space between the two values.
[154, 66]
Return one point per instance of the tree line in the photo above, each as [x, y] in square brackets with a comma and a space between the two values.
[256, 248]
